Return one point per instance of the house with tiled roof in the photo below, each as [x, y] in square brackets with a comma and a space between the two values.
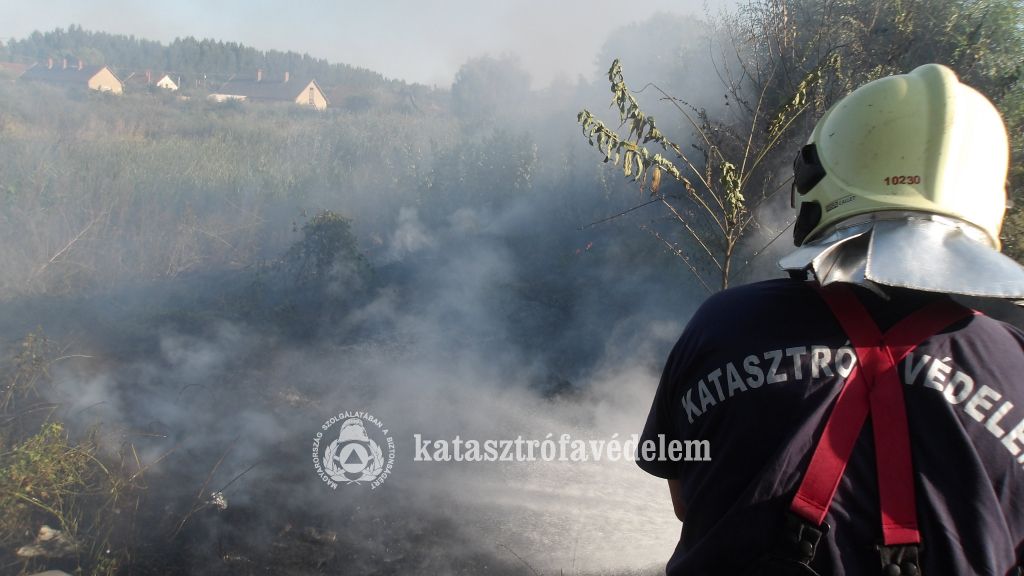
[99, 78]
[144, 80]
[304, 92]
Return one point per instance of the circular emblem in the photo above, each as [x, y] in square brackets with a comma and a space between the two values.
[354, 456]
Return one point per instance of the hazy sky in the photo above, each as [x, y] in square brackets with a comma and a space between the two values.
[420, 41]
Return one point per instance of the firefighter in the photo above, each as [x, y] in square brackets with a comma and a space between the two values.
[860, 420]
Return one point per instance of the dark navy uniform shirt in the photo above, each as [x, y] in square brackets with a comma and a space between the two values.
[755, 374]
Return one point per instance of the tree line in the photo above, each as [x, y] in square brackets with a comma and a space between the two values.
[193, 59]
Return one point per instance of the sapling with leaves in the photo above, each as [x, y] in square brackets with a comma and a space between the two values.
[715, 212]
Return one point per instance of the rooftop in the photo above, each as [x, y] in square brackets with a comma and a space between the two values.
[69, 75]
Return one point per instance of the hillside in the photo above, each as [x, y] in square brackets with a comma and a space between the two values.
[193, 282]
[196, 61]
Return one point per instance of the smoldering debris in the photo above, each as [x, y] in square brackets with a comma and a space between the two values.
[221, 413]
[49, 543]
[454, 296]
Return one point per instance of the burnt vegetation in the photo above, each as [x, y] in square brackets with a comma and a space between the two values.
[189, 287]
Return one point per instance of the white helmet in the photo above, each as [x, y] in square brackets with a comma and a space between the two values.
[920, 141]
[919, 160]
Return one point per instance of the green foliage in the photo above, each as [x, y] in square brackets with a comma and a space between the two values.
[24, 372]
[41, 474]
[97, 191]
[327, 243]
[801, 98]
[721, 175]
[47, 478]
[466, 176]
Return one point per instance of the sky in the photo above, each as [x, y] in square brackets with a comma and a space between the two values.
[417, 41]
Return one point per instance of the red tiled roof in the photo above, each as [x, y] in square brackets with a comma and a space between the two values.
[61, 75]
[267, 90]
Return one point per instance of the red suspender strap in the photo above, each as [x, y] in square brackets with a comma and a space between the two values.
[872, 387]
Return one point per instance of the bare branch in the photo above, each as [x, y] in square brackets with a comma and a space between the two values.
[682, 255]
[692, 232]
[67, 246]
[614, 216]
[761, 250]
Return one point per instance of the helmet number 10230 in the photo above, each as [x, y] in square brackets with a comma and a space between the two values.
[893, 180]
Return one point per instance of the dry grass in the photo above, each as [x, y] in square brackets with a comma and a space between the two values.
[49, 478]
